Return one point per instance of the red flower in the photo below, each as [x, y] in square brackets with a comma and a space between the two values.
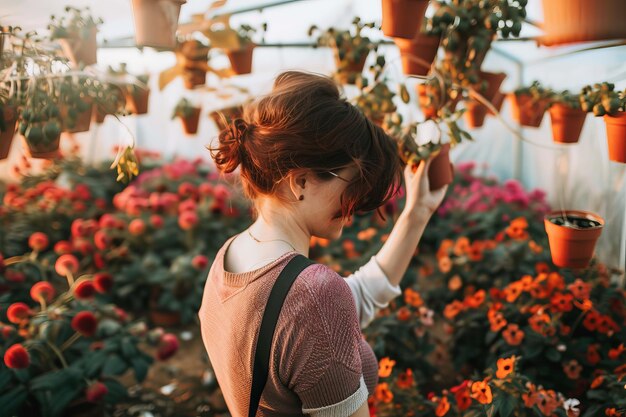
[15, 276]
[137, 227]
[107, 221]
[102, 240]
[96, 391]
[18, 312]
[205, 189]
[200, 262]
[102, 282]
[85, 323]
[187, 189]
[62, 247]
[615, 353]
[593, 356]
[66, 264]
[84, 289]
[17, 357]
[221, 192]
[168, 346]
[42, 289]
[187, 220]
[156, 221]
[462, 395]
[38, 241]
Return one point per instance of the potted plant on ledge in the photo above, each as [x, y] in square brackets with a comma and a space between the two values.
[189, 115]
[77, 35]
[567, 117]
[241, 57]
[529, 104]
[603, 100]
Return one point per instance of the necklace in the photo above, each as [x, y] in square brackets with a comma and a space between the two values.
[271, 240]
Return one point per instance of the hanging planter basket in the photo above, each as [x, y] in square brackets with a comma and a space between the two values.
[527, 111]
[572, 243]
[81, 50]
[476, 111]
[241, 59]
[347, 69]
[137, 100]
[82, 122]
[616, 136]
[42, 150]
[403, 18]
[156, 22]
[6, 136]
[429, 98]
[567, 123]
[190, 123]
[418, 53]
[569, 21]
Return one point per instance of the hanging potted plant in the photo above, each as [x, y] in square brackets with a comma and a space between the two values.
[241, 57]
[604, 101]
[418, 54]
[436, 95]
[528, 104]
[572, 236]
[136, 91]
[225, 116]
[76, 104]
[8, 120]
[567, 117]
[156, 22]
[376, 100]
[194, 56]
[350, 50]
[403, 18]
[488, 87]
[108, 98]
[77, 35]
[40, 123]
[189, 115]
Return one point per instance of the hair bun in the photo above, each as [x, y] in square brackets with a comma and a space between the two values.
[230, 151]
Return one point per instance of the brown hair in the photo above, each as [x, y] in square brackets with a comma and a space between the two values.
[305, 123]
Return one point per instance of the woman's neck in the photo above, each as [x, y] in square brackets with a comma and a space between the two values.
[274, 223]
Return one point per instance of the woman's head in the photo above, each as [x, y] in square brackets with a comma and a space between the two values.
[304, 139]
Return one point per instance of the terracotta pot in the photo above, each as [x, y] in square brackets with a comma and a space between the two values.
[190, 124]
[498, 101]
[403, 18]
[572, 247]
[81, 50]
[526, 111]
[6, 136]
[42, 151]
[83, 121]
[567, 21]
[161, 317]
[156, 22]
[345, 69]
[476, 112]
[616, 137]
[137, 101]
[99, 114]
[418, 54]
[441, 171]
[429, 105]
[230, 113]
[241, 59]
[567, 123]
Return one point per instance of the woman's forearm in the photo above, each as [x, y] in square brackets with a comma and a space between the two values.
[395, 255]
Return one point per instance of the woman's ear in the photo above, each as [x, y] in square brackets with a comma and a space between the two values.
[297, 183]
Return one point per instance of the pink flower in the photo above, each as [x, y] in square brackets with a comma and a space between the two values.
[188, 220]
[96, 391]
[38, 241]
[137, 227]
[66, 264]
[168, 346]
[42, 289]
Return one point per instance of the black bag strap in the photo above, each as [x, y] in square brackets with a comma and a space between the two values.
[268, 325]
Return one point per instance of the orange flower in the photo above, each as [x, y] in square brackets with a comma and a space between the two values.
[593, 356]
[366, 234]
[461, 246]
[555, 281]
[547, 402]
[607, 326]
[505, 367]
[591, 320]
[513, 291]
[539, 323]
[597, 382]
[534, 247]
[462, 395]
[580, 289]
[520, 223]
[382, 393]
[403, 314]
[497, 322]
[572, 369]
[475, 251]
[517, 229]
[445, 247]
[615, 353]
[542, 268]
[475, 300]
[445, 264]
[413, 298]
[530, 397]
[453, 309]
[481, 392]
[562, 302]
[585, 305]
[405, 379]
[455, 283]
[443, 406]
[612, 412]
[426, 270]
[513, 335]
[527, 283]
[385, 366]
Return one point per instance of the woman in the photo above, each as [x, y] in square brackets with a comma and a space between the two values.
[308, 160]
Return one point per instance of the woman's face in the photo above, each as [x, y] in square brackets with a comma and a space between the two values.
[321, 206]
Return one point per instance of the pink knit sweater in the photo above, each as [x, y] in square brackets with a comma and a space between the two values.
[320, 364]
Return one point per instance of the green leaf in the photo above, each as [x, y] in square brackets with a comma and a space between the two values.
[141, 368]
[12, 400]
[597, 395]
[114, 365]
[116, 391]
[553, 354]
[62, 397]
